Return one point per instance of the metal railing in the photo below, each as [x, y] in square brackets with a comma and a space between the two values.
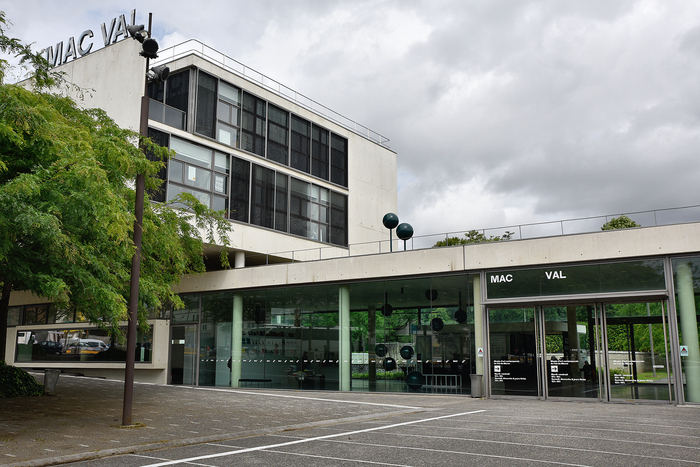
[670, 216]
[194, 47]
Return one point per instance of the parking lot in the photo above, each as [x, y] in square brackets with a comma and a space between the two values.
[216, 427]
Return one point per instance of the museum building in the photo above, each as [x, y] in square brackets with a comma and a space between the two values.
[319, 299]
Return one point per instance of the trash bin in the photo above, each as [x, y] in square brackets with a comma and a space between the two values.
[50, 380]
[476, 385]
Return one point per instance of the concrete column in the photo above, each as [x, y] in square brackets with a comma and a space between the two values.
[238, 260]
[689, 331]
[345, 357]
[478, 324]
[236, 340]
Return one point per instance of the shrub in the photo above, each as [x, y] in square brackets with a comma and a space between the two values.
[17, 382]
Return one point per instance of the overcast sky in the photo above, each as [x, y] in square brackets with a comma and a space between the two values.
[501, 113]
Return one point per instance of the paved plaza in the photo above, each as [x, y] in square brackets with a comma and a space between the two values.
[80, 424]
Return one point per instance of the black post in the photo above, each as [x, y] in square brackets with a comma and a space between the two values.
[135, 267]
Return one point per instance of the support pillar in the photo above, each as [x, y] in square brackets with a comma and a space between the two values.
[238, 259]
[688, 331]
[344, 336]
[236, 340]
[478, 324]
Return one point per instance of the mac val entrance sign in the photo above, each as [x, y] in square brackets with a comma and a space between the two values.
[72, 49]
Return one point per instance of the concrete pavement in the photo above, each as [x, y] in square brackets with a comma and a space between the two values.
[82, 422]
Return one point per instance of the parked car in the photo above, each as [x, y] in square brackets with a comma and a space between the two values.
[51, 347]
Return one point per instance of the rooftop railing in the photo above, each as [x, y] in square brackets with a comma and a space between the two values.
[658, 217]
[227, 63]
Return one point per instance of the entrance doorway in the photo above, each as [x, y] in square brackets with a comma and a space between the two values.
[183, 354]
[594, 351]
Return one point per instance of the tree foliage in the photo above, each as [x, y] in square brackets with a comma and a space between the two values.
[67, 218]
[622, 222]
[473, 236]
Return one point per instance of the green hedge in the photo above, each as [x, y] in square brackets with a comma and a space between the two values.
[17, 382]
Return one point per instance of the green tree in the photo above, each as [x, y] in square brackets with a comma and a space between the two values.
[473, 236]
[622, 222]
[66, 224]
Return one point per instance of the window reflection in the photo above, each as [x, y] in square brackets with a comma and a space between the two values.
[80, 345]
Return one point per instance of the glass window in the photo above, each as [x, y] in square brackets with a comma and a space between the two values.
[240, 189]
[175, 171]
[339, 160]
[174, 190]
[228, 114]
[301, 144]
[221, 162]
[281, 198]
[229, 93]
[177, 89]
[253, 124]
[14, 315]
[319, 153]
[278, 131]
[191, 153]
[161, 139]
[206, 104]
[263, 197]
[197, 177]
[84, 345]
[220, 203]
[36, 314]
[190, 312]
[339, 219]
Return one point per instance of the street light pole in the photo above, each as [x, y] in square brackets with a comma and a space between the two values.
[135, 264]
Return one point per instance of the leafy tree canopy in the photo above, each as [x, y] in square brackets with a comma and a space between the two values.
[67, 217]
[473, 236]
[622, 222]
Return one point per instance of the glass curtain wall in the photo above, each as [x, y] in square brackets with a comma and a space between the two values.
[290, 338]
[412, 335]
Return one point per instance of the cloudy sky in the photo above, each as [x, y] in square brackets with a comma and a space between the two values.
[501, 112]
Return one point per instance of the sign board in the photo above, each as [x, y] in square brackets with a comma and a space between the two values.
[71, 49]
[684, 350]
[480, 352]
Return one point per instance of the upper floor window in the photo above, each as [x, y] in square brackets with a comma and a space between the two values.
[253, 124]
[277, 135]
[206, 104]
[228, 115]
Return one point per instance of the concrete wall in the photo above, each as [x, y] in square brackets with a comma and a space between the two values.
[597, 246]
[112, 79]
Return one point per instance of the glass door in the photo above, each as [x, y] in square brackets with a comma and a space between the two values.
[637, 351]
[572, 351]
[183, 354]
[514, 352]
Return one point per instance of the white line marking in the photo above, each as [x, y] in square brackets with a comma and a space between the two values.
[590, 438]
[249, 393]
[359, 461]
[549, 447]
[307, 440]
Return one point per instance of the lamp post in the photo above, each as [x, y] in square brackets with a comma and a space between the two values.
[149, 49]
[390, 220]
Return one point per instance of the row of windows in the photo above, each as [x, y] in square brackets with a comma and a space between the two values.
[242, 120]
[251, 193]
